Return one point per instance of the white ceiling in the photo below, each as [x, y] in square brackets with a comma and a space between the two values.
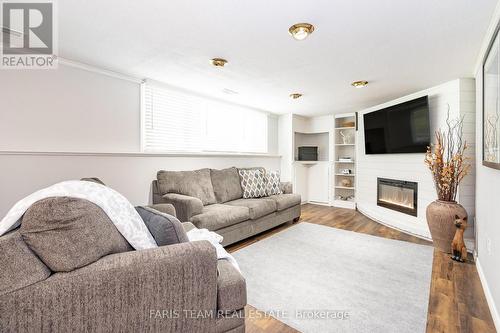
[400, 46]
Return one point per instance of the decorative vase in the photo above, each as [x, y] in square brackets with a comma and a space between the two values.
[346, 182]
[441, 220]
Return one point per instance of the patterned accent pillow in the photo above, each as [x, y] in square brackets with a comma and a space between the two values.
[273, 183]
[253, 183]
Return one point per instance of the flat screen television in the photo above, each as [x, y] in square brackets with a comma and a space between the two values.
[398, 129]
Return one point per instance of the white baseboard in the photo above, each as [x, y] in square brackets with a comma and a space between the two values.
[413, 230]
[315, 203]
[489, 298]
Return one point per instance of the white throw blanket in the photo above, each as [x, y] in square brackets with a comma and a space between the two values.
[120, 211]
[215, 239]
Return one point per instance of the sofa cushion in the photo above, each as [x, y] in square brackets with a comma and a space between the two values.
[166, 229]
[196, 184]
[231, 287]
[257, 207]
[253, 183]
[68, 233]
[219, 216]
[273, 184]
[284, 201]
[227, 185]
[286, 187]
[20, 267]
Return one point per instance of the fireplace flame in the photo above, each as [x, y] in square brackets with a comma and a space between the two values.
[397, 196]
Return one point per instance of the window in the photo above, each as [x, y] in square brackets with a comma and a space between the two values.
[175, 121]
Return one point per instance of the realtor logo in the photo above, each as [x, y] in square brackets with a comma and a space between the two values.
[28, 35]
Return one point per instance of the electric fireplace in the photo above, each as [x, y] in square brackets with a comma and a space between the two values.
[398, 195]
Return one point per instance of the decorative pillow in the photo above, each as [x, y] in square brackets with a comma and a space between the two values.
[273, 183]
[253, 183]
[166, 229]
[69, 233]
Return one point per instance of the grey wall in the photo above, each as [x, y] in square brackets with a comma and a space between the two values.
[487, 215]
[130, 175]
[68, 109]
[487, 197]
[90, 125]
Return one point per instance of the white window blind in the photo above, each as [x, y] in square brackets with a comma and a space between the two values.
[175, 121]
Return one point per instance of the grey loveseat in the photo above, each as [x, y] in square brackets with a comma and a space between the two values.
[69, 270]
[213, 199]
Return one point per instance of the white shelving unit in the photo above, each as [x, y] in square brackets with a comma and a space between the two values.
[344, 191]
[312, 179]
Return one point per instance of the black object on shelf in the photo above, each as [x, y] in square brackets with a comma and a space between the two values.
[308, 153]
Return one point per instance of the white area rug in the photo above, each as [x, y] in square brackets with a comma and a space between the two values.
[322, 279]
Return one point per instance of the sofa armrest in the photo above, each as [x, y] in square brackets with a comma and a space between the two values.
[286, 187]
[188, 226]
[164, 208]
[185, 206]
[231, 288]
[153, 290]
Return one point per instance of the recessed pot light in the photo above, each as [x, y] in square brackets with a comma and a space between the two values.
[295, 95]
[218, 62]
[359, 84]
[300, 31]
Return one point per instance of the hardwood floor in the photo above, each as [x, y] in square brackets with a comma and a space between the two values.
[456, 303]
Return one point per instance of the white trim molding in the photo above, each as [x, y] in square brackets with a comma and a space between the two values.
[135, 154]
[94, 69]
[489, 297]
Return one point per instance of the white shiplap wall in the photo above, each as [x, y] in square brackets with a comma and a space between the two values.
[459, 95]
[467, 190]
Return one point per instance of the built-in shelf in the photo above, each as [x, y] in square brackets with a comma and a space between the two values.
[346, 187]
[350, 204]
[307, 162]
[321, 140]
[343, 134]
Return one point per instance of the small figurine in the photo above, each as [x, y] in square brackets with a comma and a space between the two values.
[345, 138]
[458, 249]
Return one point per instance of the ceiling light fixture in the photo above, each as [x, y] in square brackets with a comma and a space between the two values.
[218, 62]
[359, 84]
[300, 31]
[295, 95]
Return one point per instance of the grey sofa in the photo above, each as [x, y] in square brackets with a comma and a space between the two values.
[213, 199]
[158, 290]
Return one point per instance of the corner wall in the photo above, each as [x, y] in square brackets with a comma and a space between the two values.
[459, 94]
